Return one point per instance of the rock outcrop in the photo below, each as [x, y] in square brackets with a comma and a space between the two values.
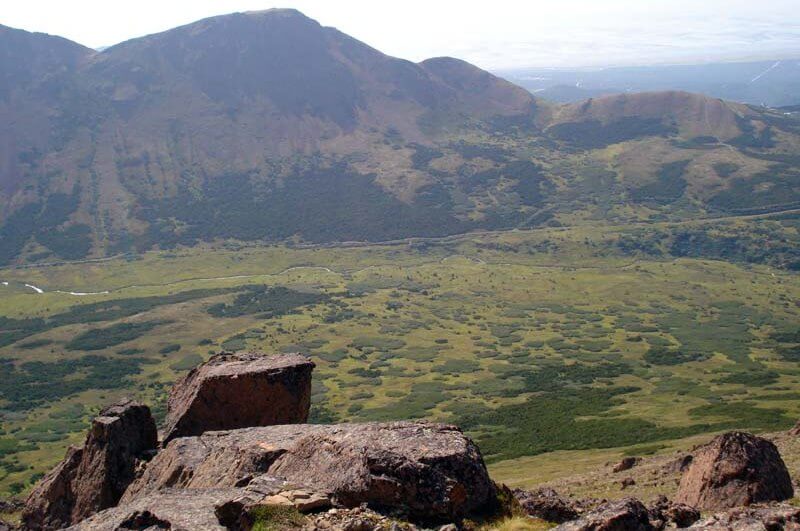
[623, 515]
[735, 469]
[546, 504]
[94, 477]
[240, 390]
[431, 472]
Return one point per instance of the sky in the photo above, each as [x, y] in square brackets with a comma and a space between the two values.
[493, 34]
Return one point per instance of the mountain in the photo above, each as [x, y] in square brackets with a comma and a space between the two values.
[773, 83]
[268, 126]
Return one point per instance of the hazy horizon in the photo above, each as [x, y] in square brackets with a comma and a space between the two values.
[510, 35]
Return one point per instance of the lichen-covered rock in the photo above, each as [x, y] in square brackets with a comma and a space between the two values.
[228, 508]
[430, 471]
[735, 469]
[623, 515]
[94, 476]
[178, 510]
[546, 504]
[240, 390]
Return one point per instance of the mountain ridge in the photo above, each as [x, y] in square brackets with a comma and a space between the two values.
[185, 135]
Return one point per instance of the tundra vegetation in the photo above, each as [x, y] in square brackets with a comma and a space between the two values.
[545, 340]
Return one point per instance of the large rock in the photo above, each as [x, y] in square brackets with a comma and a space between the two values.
[546, 504]
[240, 390]
[623, 515]
[432, 472]
[94, 476]
[735, 469]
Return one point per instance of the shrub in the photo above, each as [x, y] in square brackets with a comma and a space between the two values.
[186, 363]
[101, 338]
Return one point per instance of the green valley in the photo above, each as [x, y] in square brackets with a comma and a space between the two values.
[589, 340]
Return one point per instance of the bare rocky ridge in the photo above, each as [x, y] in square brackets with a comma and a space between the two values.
[216, 479]
[735, 469]
[93, 477]
[238, 391]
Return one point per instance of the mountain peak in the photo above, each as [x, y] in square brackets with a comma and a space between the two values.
[277, 12]
[694, 114]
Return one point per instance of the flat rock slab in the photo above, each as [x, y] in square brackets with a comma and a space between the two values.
[174, 510]
[240, 390]
[735, 469]
[430, 471]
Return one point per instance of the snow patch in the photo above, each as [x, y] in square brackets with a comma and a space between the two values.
[34, 288]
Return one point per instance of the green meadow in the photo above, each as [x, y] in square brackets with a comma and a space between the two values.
[550, 340]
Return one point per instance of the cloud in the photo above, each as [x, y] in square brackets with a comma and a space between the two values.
[496, 34]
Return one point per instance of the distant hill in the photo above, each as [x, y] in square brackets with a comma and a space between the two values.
[267, 126]
[772, 83]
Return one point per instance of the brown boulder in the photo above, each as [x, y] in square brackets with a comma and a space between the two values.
[94, 476]
[623, 515]
[665, 513]
[626, 464]
[432, 472]
[546, 504]
[240, 390]
[735, 469]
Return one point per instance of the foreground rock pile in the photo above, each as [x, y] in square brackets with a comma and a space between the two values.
[738, 474]
[236, 454]
[235, 444]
